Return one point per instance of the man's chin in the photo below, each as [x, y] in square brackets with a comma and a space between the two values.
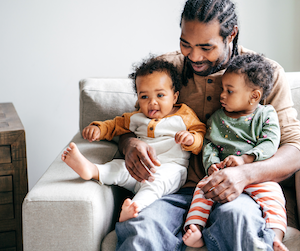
[203, 73]
[208, 69]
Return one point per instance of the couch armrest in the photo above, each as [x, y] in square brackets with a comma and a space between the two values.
[64, 212]
[297, 186]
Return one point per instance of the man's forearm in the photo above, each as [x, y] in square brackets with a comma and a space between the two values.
[282, 165]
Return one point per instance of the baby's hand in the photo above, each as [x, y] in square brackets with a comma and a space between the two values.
[233, 160]
[213, 168]
[91, 133]
[184, 137]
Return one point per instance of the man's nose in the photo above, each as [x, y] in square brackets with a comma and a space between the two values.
[195, 55]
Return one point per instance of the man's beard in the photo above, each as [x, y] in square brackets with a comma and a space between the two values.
[212, 67]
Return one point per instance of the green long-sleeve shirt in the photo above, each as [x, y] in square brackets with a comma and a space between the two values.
[256, 134]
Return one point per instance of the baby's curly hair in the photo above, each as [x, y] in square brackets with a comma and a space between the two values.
[153, 64]
[256, 69]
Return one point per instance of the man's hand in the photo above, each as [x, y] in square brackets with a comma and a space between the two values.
[225, 185]
[140, 159]
[91, 133]
[228, 183]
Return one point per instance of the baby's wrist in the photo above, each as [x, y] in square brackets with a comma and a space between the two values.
[248, 158]
[192, 139]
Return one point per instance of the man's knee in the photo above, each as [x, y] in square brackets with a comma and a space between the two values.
[240, 209]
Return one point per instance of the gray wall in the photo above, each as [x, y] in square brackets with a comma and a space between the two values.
[46, 47]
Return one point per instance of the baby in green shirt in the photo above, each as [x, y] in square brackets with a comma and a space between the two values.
[241, 132]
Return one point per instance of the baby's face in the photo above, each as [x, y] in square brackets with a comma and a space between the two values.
[236, 94]
[156, 96]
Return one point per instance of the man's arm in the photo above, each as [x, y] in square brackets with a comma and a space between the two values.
[140, 158]
[229, 183]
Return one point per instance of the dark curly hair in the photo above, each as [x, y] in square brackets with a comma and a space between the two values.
[153, 64]
[206, 11]
[257, 70]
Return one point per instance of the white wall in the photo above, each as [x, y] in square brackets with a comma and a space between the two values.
[271, 27]
[46, 47]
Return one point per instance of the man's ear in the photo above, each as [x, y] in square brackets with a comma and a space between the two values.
[233, 34]
[176, 95]
[255, 96]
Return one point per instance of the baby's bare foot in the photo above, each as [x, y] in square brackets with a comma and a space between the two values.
[279, 246]
[74, 159]
[129, 210]
[193, 237]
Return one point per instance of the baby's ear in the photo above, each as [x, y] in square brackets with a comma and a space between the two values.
[176, 95]
[256, 95]
[137, 105]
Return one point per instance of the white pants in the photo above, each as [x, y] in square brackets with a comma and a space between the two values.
[169, 177]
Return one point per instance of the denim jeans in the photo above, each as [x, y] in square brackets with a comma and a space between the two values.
[233, 226]
[238, 225]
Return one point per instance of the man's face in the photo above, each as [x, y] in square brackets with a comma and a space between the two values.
[203, 46]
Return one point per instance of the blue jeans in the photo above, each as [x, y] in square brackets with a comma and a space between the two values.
[233, 226]
[237, 225]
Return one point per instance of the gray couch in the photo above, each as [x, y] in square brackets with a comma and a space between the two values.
[64, 212]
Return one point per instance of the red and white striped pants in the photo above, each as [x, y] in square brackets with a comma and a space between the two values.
[268, 195]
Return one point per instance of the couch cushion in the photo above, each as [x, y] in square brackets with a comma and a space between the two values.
[102, 99]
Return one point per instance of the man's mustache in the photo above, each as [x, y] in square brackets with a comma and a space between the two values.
[199, 62]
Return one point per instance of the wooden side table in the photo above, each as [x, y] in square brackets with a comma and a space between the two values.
[13, 177]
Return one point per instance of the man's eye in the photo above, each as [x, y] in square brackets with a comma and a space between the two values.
[185, 45]
[160, 95]
[229, 91]
[206, 49]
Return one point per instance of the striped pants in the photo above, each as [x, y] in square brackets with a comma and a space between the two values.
[268, 195]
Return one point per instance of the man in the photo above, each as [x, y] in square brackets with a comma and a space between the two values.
[209, 35]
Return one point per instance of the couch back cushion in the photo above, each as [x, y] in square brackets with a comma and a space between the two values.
[294, 81]
[102, 99]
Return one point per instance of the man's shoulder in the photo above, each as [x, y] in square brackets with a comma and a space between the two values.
[174, 57]
[243, 50]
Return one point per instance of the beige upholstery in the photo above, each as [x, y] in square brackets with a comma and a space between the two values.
[64, 212]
